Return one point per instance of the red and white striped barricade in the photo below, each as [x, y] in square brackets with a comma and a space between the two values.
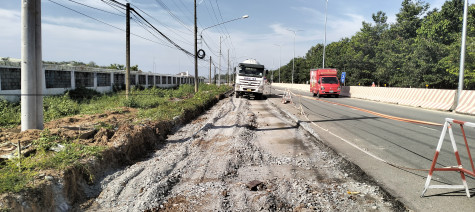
[459, 167]
[287, 97]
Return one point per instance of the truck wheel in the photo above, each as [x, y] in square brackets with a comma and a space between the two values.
[336, 96]
[314, 94]
[258, 96]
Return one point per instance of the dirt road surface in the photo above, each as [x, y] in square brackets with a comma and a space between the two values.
[241, 155]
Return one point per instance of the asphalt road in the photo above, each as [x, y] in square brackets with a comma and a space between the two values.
[409, 146]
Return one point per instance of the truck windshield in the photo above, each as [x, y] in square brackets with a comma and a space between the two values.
[329, 80]
[251, 72]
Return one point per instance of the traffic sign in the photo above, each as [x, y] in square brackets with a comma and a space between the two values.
[343, 76]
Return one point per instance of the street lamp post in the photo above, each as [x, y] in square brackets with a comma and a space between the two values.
[242, 17]
[201, 37]
[280, 58]
[462, 55]
[325, 39]
[293, 60]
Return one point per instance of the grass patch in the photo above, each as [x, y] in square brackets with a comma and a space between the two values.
[51, 153]
[167, 102]
[9, 114]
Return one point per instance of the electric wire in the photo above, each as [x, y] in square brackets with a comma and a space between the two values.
[224, 25]
[145, 27]
[163, 35]
[115, 6]
[100, 21]
[164, 6]
[159, 22]
[171, 29]
[85, 5]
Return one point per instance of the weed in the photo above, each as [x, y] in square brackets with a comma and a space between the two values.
[70, 155]
[104, 125]
[9, 113]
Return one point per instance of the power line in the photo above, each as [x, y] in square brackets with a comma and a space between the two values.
[164, 6]
[103, 22]
[114, 6]
[225, 28]
[163, 35]
[96, 8]
[171, 29]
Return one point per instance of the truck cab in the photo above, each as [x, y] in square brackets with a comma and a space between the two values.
[324, 82]
[250, 79]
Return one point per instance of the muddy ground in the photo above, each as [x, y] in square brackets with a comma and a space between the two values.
[241, 155]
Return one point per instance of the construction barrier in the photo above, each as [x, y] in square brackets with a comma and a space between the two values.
[467, 102]
[437, 99]
[459, 167]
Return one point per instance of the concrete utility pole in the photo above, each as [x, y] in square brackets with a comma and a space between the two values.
[32, 75]
[219, 68]
[214, 75]
[462, 55]
[127, 50]
[210, 62]
[196, 52]
[228, 69]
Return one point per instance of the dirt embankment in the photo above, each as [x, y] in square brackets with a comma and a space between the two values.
[129, 141]
[241, 155]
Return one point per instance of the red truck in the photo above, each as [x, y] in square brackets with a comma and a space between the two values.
[324, 82]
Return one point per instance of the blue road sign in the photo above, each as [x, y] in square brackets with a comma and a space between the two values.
[343, 75]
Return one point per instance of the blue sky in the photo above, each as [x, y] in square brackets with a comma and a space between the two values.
[68, 35]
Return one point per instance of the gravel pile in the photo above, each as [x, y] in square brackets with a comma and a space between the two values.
[242, 155]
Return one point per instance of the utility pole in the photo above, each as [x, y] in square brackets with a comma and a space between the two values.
[196, 52]
[215, 75]
[228, 69]
[127, 50]
[219, 68]
[32, 74]
[210, 62]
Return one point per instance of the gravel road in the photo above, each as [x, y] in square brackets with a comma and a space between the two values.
[241, 155]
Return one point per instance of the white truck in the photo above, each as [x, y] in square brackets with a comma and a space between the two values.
[250, 79]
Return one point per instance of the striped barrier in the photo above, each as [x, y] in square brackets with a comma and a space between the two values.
[459, 168]
[467, 102]
[417, 97]
[436, 99]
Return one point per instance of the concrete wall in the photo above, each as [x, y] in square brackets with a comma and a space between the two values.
[60, 78]
[437, 99]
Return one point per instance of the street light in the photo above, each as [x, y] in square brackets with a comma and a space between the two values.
[280, 57]
[201, 37]
[293, 60]
[325, 40]
[462, 54]
[242, 17]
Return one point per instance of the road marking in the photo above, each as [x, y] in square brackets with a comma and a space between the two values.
[429, 128]
[376, 113]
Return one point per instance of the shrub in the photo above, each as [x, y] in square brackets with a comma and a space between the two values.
[9, 114]
[59, 106]
[82, 94]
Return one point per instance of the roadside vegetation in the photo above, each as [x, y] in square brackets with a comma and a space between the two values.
[57, 153]
[421, 47]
